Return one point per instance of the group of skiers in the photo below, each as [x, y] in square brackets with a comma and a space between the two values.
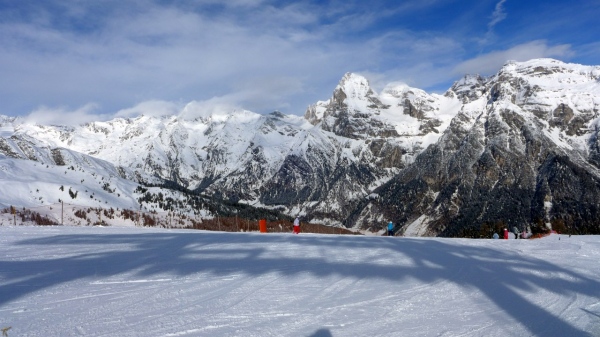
[390, 231]
[390, 227]
[515, 234]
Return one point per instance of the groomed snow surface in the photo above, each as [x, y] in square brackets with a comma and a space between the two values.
[92, 281]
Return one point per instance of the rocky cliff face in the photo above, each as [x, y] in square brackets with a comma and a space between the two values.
[521, 152]
[519, 149]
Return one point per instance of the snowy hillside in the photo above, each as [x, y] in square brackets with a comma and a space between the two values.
[34, 183]
[87, 191]
[73, 281]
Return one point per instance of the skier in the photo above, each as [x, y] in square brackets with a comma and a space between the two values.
[297, 226]
[516, 232]
[390, 229]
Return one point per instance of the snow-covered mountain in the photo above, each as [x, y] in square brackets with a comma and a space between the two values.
[489, 150]
[338, 153]
[522, 151]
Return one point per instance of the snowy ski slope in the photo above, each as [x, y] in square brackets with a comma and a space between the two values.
[83, 281]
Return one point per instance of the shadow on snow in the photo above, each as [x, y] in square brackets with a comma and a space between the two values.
[493, 272]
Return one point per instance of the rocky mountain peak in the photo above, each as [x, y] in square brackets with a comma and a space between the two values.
[353, 87]
[468, 88]
[353, 94]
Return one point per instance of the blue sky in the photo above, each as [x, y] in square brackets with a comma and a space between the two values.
[73, 60]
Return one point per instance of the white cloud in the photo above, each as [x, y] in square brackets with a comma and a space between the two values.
[152, 108]
[259, 56]
[62, 116]
[420, 60]
[216, 106]
[160, 53]
[253, 54]
[490, 63]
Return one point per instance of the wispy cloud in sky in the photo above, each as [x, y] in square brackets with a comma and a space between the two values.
[498, 15]
[107, 58]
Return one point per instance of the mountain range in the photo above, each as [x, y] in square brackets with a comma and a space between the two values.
[518, 149]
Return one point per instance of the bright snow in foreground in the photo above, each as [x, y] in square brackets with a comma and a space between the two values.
[74, 281]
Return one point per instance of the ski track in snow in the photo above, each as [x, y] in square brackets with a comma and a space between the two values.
[73, 281]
